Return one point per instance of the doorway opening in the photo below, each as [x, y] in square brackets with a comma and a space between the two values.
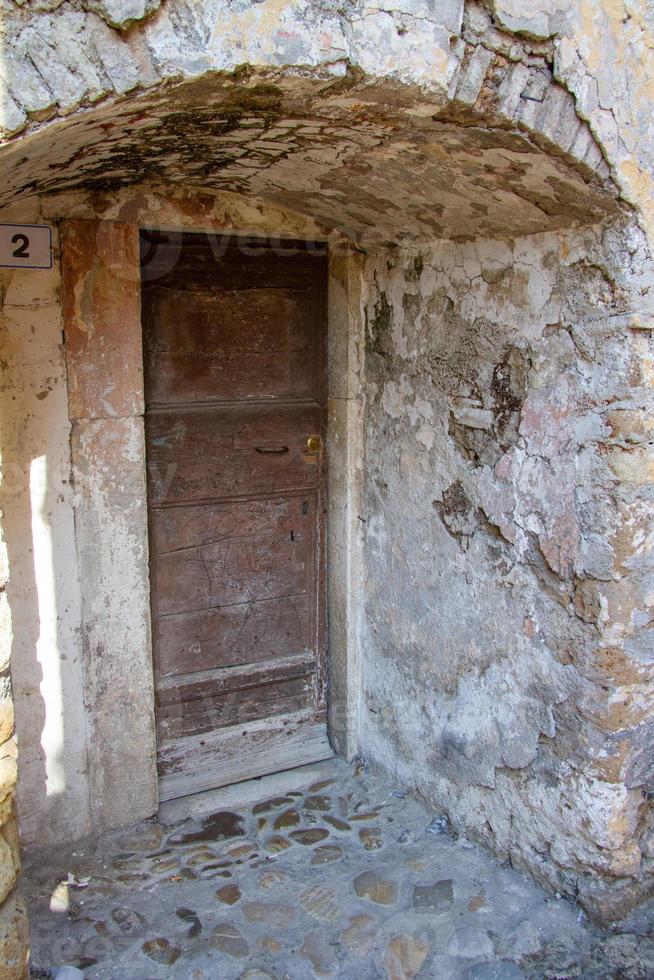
[234, 339]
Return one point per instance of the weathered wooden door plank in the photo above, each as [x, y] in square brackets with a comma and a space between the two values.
[202, 762]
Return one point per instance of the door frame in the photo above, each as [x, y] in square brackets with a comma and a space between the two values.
[344, 441]
[97, 253]
[345, 476]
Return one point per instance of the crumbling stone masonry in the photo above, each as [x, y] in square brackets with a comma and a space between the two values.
[483, 174]
[505, 507]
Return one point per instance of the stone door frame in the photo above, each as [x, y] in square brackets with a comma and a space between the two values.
[103, 352]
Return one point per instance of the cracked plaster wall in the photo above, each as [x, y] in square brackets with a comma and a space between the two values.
[40, 591]
[508, 668]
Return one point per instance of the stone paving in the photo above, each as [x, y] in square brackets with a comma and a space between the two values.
[345, 876]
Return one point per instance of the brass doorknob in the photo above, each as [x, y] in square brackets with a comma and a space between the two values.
[313, 444]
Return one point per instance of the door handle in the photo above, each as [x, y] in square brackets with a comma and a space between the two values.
[278, 450]
[313, 444]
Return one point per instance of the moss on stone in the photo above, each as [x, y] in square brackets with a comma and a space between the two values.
[378, 327]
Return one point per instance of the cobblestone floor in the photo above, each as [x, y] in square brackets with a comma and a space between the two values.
[342, 877]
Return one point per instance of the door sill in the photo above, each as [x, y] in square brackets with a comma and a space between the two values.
[246, 794]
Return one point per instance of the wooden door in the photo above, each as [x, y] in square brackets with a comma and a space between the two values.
[234, 351]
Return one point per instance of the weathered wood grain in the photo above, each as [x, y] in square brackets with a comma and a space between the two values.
[200, 762]
[236, 707]
[229, 636]
[234, 365]
[204, 453]
[256, 343]
[214, 555]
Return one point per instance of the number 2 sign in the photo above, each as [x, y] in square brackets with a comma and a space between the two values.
[25, 246]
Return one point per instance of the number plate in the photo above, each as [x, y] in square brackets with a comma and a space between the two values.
[25, 246]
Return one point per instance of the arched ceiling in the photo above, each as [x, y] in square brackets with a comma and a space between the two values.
[412, 122]
[379, 162]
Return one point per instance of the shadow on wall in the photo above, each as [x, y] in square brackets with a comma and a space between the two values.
[43, 586]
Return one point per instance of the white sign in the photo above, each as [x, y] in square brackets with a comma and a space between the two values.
[25, 246]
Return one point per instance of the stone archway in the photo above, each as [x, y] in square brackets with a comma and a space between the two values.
[423, 132]
[492, 148]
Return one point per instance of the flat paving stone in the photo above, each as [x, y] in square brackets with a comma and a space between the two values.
[322, 784]
[129, 922]
[271, 878]
[320, 956]
[319, 902]
[380, 890]
[279, 916]
[237, 851]
[371, 838]
[289, 818]
[161, 951]
[220, 826]
[435, 898]
[359, 936]
[274, 804]
[326, 853]
[227, 896]
[405, 956]
[309, 837]
[276, 843]
[227, 938]
[336, 823]
[320, 803]
[477, 902]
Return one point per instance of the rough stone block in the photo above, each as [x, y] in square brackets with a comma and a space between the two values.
[8, 770]
[6, 709]
[12, 117]
[472, 79]
[67, 38]
[117, 58]
[605, 901]
[632, 465]
[510, 90]
[568, 125]
[122, 13]
[111, 526]
[102, 324]
[69, 88]
[9, 856]
[548, 119]
[26, 85]
[446, 13]
[593, 157]
[14, 939]
[381, 43]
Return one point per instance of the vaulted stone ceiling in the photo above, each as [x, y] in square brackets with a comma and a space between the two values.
[465, 135]
[379, 164]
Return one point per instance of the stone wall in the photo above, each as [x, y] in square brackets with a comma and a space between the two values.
[40, 592]
[508, 668]
[13, 915]
[44, 589]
